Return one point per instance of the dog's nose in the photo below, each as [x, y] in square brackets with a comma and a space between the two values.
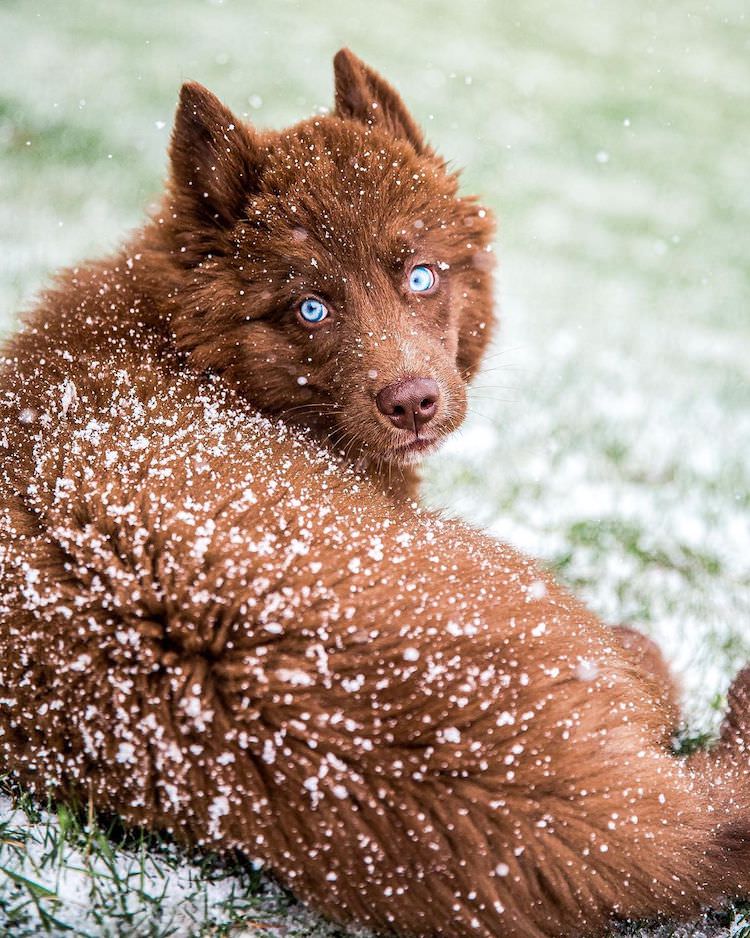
[409, 404]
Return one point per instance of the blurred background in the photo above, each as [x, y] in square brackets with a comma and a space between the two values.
[610, 431]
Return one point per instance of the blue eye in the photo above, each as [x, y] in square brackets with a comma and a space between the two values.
[312, 310]
[421, 279]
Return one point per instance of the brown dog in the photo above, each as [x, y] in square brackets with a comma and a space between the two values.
[211, 625]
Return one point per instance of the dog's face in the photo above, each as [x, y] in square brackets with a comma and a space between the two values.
[330, 271]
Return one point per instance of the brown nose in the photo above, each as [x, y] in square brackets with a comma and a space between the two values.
[409, 404]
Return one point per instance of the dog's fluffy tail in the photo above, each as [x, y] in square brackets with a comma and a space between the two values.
[725, 769]
[734, 744]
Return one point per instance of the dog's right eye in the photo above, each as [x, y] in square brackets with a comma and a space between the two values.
[422, 279]
[312, 311]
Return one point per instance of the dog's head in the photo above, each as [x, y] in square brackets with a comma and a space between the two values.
[330, 272]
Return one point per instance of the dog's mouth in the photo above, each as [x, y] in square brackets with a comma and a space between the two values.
[413, 451]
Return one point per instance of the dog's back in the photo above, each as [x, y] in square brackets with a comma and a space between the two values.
[211, 627]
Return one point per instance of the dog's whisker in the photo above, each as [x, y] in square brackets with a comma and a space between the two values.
[504, 351]
[312, 407]
[493, 387]
[506, 367]
[477, 413]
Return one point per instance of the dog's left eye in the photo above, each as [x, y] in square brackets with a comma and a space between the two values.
[312, 311]
[422, 279]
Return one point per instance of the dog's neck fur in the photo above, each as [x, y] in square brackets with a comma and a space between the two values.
[400, 481]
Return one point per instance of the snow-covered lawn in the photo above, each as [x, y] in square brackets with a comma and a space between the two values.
[610, 431]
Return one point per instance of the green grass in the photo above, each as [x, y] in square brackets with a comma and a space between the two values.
[610, 432]
[65, 871]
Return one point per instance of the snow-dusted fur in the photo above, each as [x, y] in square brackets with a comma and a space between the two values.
[212, 624]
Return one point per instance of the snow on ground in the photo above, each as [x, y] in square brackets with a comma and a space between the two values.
[63, 876]
[609, 433]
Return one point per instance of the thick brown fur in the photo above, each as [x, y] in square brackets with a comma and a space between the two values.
[212, 624]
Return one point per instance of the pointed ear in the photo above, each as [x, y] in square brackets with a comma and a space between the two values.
[215, 159]
[362, 95]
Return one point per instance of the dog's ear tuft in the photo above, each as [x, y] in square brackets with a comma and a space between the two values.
[215, 158]
[362, 95]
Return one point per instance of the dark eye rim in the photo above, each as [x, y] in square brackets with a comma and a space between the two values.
[306, 322]
[433, 268]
